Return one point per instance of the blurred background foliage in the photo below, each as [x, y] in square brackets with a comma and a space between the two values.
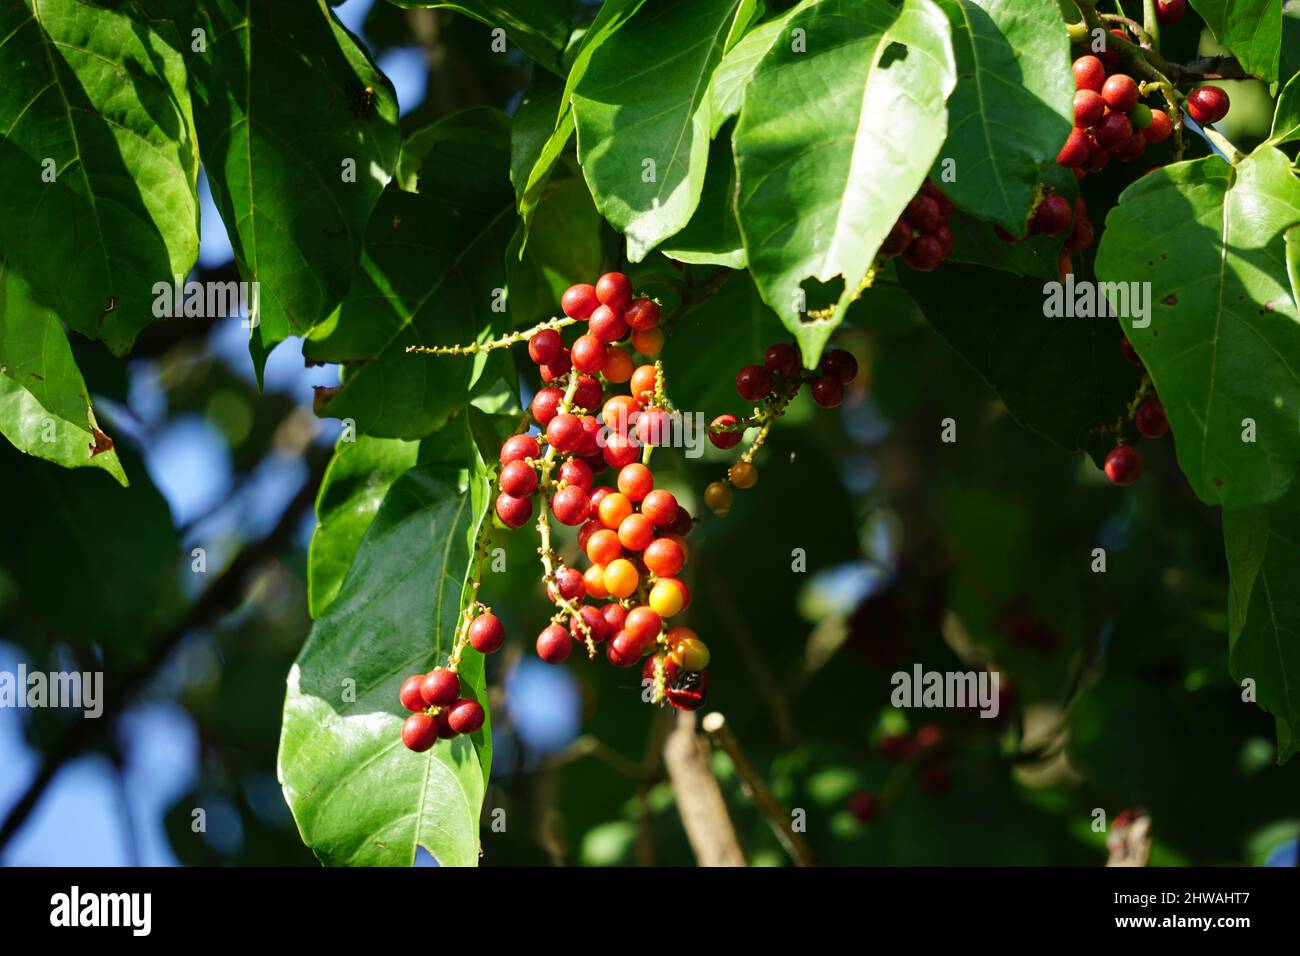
[953, 556]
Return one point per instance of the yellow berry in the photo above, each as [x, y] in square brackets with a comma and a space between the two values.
[667, 598]
[688, 650]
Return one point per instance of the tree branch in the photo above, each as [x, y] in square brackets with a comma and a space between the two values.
[699, 798]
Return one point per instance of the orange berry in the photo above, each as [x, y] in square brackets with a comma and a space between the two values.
[618, 365]
[643, 383]
[613, 509]
[621, 578]
[664, 557]
[635, 532]
[594, 581]
[603, 547]
[649, 342]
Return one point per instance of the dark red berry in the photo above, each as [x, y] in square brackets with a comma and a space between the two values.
[615, 615]
[1207, 104]
[444, 728]
[1169, 12]
[545, 346]
[1089, 108]
[1113, 130]
[924, 253]
[614, 290]
[944, 235]
[782, 358]
[595, 622]
[1052, 217]
[1151, 420]
[622, 651]
[1123, 465]
[1130, 354]
[588, 354]
[557, 368]
[465, 716]
[840, 364]
[642, 315]
[754, 383]
[1120, 92]
[440, 687]
[1129, 151]
[409, 693]
[897, 241]
[514, 512]
[568, 582]
[487, 633]
[827, 391]
[576, 474]
[571, 506]
[518, 479]
[660, 507]
[923, 213]
[589, 393]
[1081, 235]
[725, 439]
[864, 806]
[554, 644]
[935, 779]
[1076, 150]
[579, 301]
[564, 432]
[419, 732]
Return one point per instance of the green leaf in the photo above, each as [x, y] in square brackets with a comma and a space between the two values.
[712, 237]
[97, 563]
[1251, 29]
[833, 140]
[1263, 549]
[96, 99]
[1012, 107]
[545, 120]
[432, 274]
[358, 795]
[977, 242]
[358, 478]
[298, 130]
[1223, 332]
[643, 132]
[1063, 377]
[732, 76]
[1286, 117]
[44, 406]
[538, 27]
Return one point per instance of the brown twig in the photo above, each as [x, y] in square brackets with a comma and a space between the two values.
[699, 797]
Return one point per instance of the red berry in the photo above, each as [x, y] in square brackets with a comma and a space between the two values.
[557, 368]
[1151, 420]
[444, 729]
[944, 235]
[568, 582]
[827, 391]
[1096, 163]
[1120, 92]
[519, 447]
[1089, 74]
[900, 235]
[682, 523]
[545, 346]
[643, 625]
[1113, 130]
[545, 404]
[841, 365]
[660, 507]
[924, 253]
[643, 383]
[635, 532]
[576, 473]
[554, 644]
[465, 716]
[923, 213]
[1169, 12]
[608, 324]
[654, 427]
[642, 315]
[1076, 150]
[595, 622]
[635, 481]
[725, 439]
[514, 512]
[1207, 104]
[1052, 217]
[864, 806]
[1089, 108]
[753, 382]
[1123, 465]
[419, 732]
[615, 615]
[518, 479]
[589, 447]
[1081, 236]
[440, 687]
[935, 779]
[487, 633]
[614, 290]
[588, 354]
[619, 451]
[571, 506]
[664, 557]
[622, 651]
[1129, 353]
[648, 669]
[564, 432]
[589, 393]
[409, 693]
[1132, 149]
[1159, 128]
[782, 358]
[1111, 55]
[579, 301]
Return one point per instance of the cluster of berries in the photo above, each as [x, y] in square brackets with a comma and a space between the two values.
[921, 235]
[922, 746]
[439, 710]
[1123, 464]
[1108, 119]
[1053, 216]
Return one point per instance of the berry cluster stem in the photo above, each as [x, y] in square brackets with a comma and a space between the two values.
[514, 338]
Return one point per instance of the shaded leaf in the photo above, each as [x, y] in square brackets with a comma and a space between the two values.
[1251, 29]
[712, 237]
[538, 27]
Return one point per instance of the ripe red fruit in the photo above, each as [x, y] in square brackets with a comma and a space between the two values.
[1130, 354]
[900, 235]
[589, 393]
[1159, 128]
[554, 644]
[576, 473]
[439, 687]
[409, 693]
[557, 368]
[545, 346]
[519, 447]
[518, 479]
[579, 301]
[589, 447]
[841, 365]
[614, 290]
[923, 213]
[1089, 108]
[1096, 162]
[782, 358]
[487, 633]
[635, 532]
[545, 404]
[924, 253]
[571, 506]
[444, 729]
[1089, 74]
[622, 651]
[1123, 465]
[1132, 149]
[1120, 92]
[654, 427]
[564, 432]
[1081, 235]
[827, 391]
[1207, 104]
[595, 622]
[588, 354]
[725, 439]
[944, 235]
[660, 507]
[419, 732]
[643, 624]
[1169, 12]
[643, 382]
[514, 512]
[1052, 217]
[635, 481]
[465, 716]
[568, 582]
[642, 314]
[608, 324]
[664, 557]
[619, 451]
[682, 523]
[753, 382]
[1111, 55]
[615, 615]
[1151, 420]
[1113, 129]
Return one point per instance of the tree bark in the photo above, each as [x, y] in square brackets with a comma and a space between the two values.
[699, 798]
